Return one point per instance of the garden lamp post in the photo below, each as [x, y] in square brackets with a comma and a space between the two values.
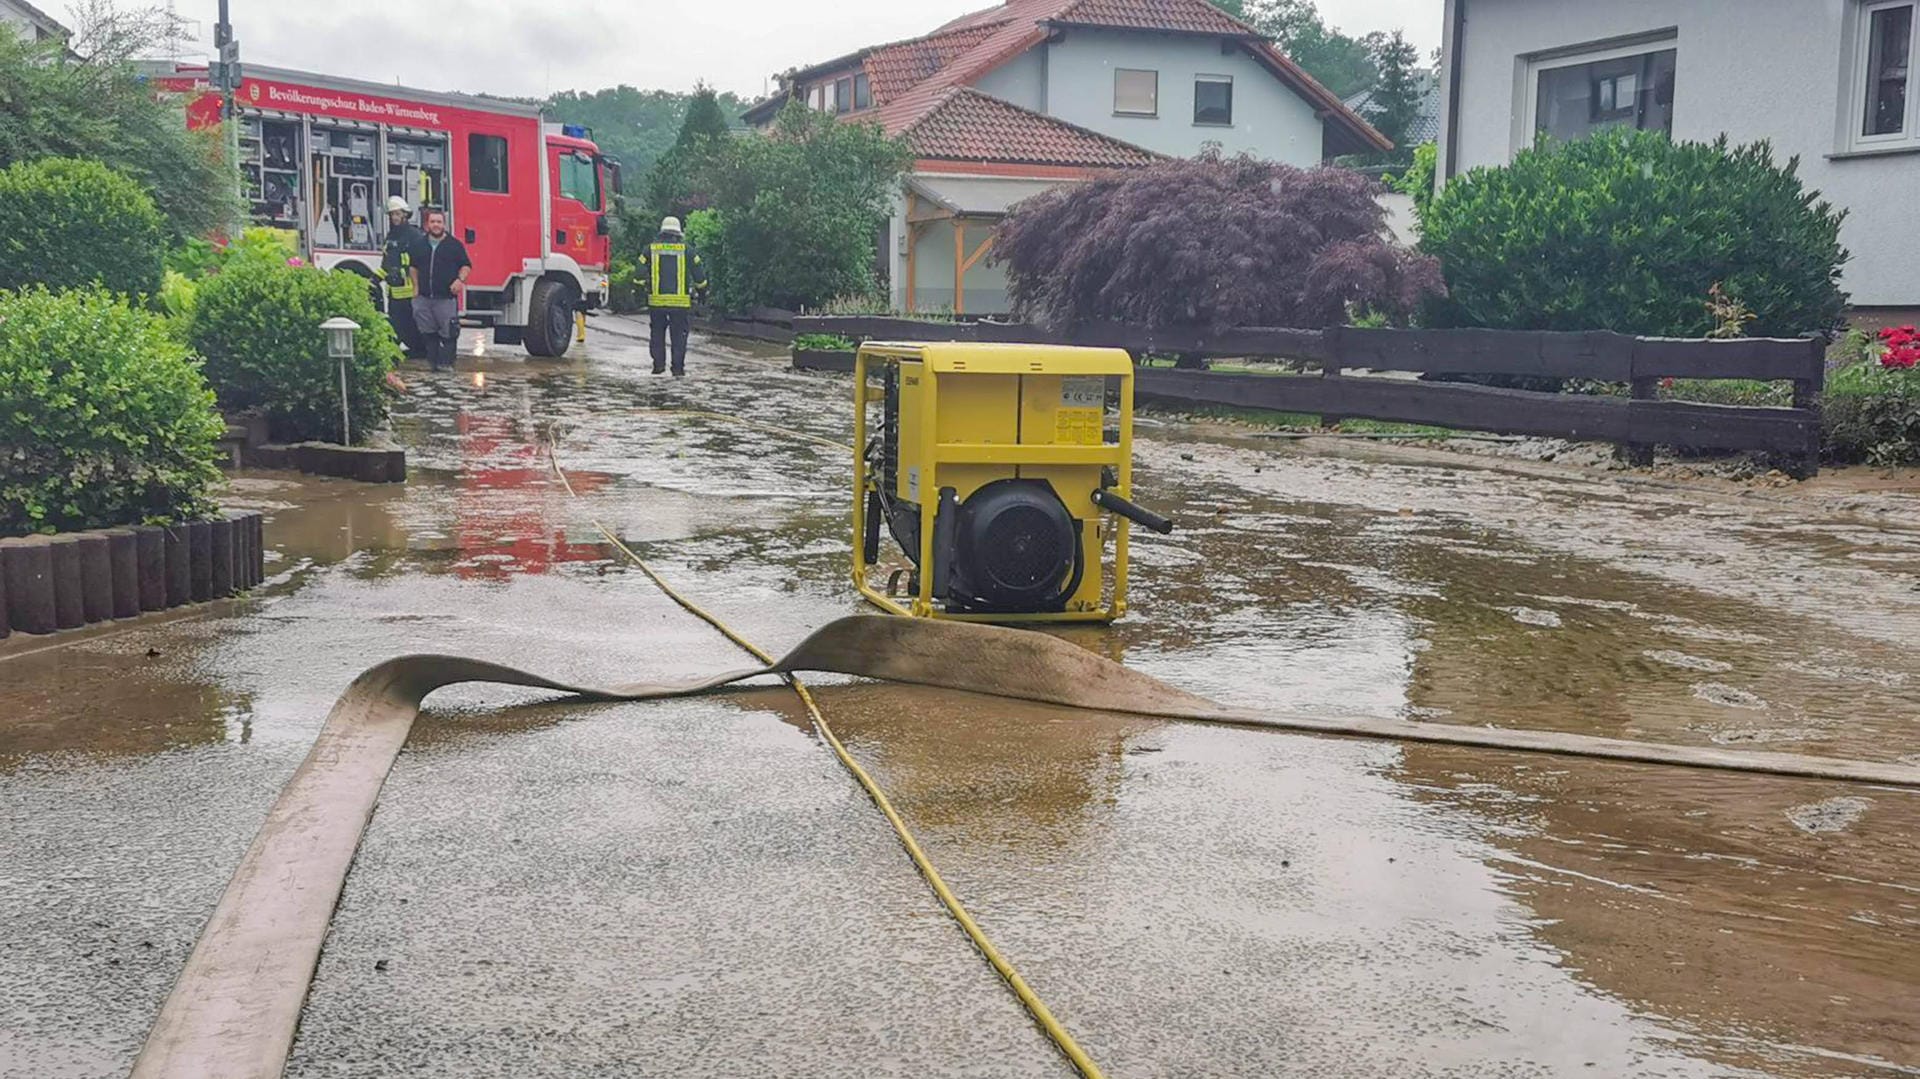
[340, 333]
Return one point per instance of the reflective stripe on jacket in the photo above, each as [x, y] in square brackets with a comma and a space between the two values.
[397, 259]
[669, 283]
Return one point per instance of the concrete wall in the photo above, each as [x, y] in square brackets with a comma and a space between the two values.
[1779, 70]
[1269, 120]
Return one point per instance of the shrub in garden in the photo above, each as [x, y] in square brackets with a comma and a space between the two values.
[798, 210]
[74, 224]
[1212, 241]
[258, 325]
[1627, 231]
[93, 103]
[104, 417]
[1872, 407]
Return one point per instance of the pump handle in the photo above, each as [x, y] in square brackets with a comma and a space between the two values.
[1139, 515]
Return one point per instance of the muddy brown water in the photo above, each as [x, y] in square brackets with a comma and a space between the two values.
[695, 888]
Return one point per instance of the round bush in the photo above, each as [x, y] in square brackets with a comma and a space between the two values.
[258, 325]
[104, 417]
[1627, 231]
[76, 224]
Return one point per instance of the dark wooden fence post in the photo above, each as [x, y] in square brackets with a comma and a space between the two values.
[1640, 454]
[1807, 393]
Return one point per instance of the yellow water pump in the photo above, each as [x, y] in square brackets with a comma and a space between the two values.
[995, 470]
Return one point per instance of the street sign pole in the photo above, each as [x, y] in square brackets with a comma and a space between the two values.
[226, 79]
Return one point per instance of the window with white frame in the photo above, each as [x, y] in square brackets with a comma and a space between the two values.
[1885, 111]
[1135, 92]
[1571, 97]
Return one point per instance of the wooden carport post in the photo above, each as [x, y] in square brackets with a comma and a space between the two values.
[962, 262]
[913, 235]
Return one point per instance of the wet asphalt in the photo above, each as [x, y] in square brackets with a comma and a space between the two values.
[695, 888]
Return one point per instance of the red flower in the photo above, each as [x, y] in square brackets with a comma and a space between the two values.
[1902, 347]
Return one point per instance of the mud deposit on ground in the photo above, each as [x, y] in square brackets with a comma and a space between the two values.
[694, 888]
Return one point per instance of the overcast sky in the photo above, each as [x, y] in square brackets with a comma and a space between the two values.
[529, 47]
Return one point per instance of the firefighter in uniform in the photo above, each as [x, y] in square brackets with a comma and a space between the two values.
[673, 272]
[396, 262]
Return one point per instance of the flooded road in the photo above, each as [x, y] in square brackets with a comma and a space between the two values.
[695, 888]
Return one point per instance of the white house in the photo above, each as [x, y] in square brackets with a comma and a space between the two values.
[1827, 80]
[1006, 102]
[30, 22]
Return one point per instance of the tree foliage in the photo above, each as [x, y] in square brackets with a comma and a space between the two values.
[1396, 90]
[73, 224]
[1341, 63]
[1212, 241]
[258, 325]
[104, 418]
[93, 105]
[1627, 231]
[636, 126]
[674, 185]
[798, 209]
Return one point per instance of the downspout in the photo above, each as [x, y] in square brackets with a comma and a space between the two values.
[1453, 88]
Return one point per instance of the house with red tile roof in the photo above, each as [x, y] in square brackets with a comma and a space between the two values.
[1003, 103]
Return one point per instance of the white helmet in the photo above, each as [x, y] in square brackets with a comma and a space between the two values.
[398, 205]
[670, 224]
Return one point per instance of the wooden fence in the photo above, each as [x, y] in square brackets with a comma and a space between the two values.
[1637, 422]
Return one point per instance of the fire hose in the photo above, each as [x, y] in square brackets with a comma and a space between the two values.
[235, 1008]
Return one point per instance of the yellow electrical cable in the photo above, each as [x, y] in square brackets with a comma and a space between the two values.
[1028, 998]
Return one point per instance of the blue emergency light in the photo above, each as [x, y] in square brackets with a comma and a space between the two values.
[574, 131]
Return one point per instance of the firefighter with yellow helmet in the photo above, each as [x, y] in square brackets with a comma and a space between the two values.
[673, 272]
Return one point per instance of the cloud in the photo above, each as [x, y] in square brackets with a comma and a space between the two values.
[527, 48]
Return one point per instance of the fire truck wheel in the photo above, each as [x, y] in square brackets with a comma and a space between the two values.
[550, 319]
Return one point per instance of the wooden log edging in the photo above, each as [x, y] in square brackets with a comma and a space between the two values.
[368, 464]
[75, 579]
[822, 360]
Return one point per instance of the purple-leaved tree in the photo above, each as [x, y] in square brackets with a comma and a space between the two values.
[1211, 241]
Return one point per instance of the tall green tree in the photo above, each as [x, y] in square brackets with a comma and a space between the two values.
[1396, 92]
[675, 183]
[90, 103]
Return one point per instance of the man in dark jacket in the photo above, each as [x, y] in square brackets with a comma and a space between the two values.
[396, 263]
[440, 270]
[672, 271]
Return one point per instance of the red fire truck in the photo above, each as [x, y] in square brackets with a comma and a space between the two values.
[321, 155]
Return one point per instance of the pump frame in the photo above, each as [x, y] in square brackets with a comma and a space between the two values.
[945, 361]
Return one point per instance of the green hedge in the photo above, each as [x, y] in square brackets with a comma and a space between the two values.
[1627, 231]
[75, 224]
[1871, 415]
[104, 417]
[258, 325]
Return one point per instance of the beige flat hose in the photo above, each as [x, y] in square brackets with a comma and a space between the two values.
[235, 1008]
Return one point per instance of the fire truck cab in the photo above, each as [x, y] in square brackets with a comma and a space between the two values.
[320, 156]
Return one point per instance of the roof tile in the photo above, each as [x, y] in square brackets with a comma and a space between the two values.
[1178, 16]
[967, 125]
[895, 69]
